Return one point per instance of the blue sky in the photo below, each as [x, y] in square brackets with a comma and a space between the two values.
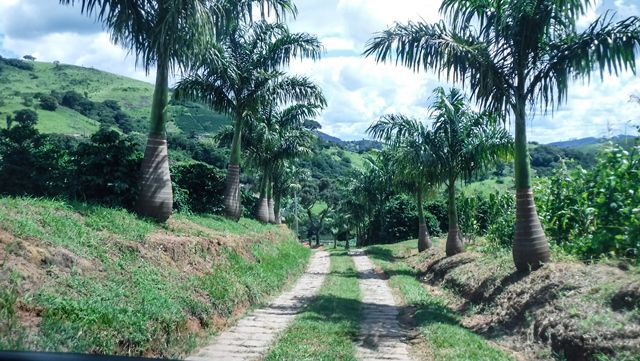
[359, 90]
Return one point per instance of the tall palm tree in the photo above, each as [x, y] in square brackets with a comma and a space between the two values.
[164, 34]
[463, 142]
[255, 51]
[412, 161]
[513, 55]
[272, 138]
[459, 142]
[168, 34]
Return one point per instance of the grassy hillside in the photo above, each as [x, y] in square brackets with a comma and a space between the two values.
[82, 278]
[17, 86]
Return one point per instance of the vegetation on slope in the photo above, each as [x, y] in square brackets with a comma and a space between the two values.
[443, 336]
[83, 278]
[566, 310]
[20, 87]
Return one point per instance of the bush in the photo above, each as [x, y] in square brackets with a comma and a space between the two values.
[401, 218]
[108, 168]
[48, 102]
[20, 64]
[30, 165]
[200, 187]
[596, 212]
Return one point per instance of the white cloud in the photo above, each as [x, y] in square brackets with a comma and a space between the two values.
[359, 91]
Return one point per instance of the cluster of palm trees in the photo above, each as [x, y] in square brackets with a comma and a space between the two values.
[514, 56]
[459, 142]
[232, 52]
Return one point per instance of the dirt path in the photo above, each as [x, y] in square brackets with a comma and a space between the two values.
[381, 336]
[251, 337]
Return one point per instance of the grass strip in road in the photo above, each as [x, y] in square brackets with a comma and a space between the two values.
[325, 331]
[445, 337]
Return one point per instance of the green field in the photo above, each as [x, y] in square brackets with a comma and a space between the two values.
[134, 96]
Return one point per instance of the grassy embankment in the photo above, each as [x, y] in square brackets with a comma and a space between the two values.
[325, 331]
[84, 278]
[443, 336]
[565, 311]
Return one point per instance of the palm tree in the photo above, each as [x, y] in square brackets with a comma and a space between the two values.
[272, 138]
[255, 52]
[412, 161]
[164, 34]
[460, 142]
[168, 34]
[511, 55]
[463, 142]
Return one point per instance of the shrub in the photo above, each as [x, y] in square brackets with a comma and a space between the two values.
[20, 64]
[30, 165]
[594, 213]
[107, 169]
[401, 218]
[48, 102]
[202, 185]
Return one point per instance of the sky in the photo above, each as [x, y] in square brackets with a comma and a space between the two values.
[358, 90]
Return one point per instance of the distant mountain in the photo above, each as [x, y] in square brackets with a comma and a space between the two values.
[576, 142]
[328, 138]
[358, 146]
[590, 141]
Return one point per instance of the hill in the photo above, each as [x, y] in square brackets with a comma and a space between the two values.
[22, 83]
[76, 277]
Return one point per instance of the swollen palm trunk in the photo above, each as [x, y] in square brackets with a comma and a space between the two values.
[424, 241]
[232, 206]
[156, 196]
[272, 213]
[454, 242]
[530, 248]
[262, 212]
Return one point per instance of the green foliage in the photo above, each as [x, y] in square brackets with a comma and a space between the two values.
[107, 169]
[202, 186]
[26, 117]
[595, 213]
[48, 102]
[445, 336]
[488, 214]
[19, 64]
[401, 217]
[29, 164]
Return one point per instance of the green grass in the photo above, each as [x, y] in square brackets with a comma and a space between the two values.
[446, 338]
[133, 299]
[325, 331]
[134, 97]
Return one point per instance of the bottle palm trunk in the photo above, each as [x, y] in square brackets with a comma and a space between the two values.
[232, 202]
[272, 215]
[262, 213]
[454, 242]
[155, 199]
[424, 241]
[277, 199]
[530, 246]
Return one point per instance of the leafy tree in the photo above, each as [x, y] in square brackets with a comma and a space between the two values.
[203, 186]
[29, 165]
[511, 55]
[164, 34]
[48, 102]
[26, 117]
[107, 169]
[254, 53]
